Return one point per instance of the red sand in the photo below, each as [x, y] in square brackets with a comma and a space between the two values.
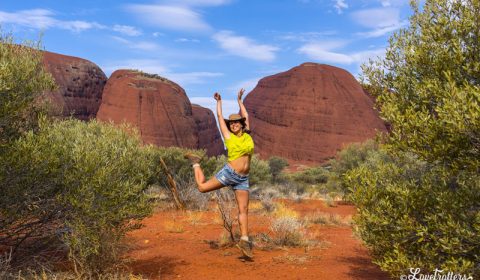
[159, 254]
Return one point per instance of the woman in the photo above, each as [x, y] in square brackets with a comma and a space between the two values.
[239, 145]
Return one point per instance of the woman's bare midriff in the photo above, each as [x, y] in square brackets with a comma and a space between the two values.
[241, 165]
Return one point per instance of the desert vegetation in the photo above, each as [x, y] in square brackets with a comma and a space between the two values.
[419, 204]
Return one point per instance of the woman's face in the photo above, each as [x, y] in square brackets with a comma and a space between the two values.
[235, 126]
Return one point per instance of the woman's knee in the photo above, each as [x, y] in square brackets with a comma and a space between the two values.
[243, 209]
[203, 188]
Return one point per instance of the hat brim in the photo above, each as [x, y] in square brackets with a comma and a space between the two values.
[240, 120]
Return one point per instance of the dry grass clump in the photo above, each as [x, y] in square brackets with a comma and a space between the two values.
[194, 217]
[173, 225]
[281, 210]
[255, 206]
[293, 259]
[288, 231]
[328, 219]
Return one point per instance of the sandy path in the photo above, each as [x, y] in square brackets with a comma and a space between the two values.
[160, 254]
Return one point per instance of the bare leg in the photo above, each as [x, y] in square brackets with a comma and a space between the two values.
[210, 185]
[242, 197]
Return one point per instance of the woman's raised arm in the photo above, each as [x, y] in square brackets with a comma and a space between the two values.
[221, 122]
[243, 110]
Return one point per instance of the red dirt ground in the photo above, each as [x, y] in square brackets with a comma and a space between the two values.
[159, 253]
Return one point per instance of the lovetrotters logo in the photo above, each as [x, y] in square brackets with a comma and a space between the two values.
[437, 274]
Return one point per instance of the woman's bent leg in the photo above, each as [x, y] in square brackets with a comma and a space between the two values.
[210, 185]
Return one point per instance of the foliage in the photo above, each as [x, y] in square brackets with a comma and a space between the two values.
[312, 176]
[81, 182]
[347, 159]
[422, 209]
[22, 81]
[428, 85]
[276, 165]
[181, 170]
[414, 214]
[259, 171]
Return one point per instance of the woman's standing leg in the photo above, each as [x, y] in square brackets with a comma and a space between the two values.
[242, 197]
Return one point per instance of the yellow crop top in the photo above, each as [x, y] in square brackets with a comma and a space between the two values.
[239, 146]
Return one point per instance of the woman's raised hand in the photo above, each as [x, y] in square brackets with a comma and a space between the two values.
[240, 93]
[217, 96]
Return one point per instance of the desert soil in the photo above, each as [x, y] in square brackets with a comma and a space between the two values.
[181, 245]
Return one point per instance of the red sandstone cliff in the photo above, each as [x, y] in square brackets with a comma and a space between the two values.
[80, 86]
[208, 133]
[309, 112]
[160, 110]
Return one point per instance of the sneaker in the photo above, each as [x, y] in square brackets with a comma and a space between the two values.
[193, 157]
[246, 248]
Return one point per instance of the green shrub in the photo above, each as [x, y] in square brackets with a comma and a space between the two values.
[22, 81]
[424, 211]
[311, 176]
[259, 171]
[412, 214]
[82, 182]
[276, 165]
[347, 159]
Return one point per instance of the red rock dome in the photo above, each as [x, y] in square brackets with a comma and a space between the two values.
[161, 111]
[80, 85]
[309, 112]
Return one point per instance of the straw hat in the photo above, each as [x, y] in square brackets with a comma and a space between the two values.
[234, 117]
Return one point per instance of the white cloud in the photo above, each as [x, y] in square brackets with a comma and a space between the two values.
[378, 32]
[393, 3]
[229, 106]
[138, 45]
[155, 67]
[340, 5]
[197, 3]
[377, 18]
[170, 17]
[323, 53]
[244, 47]
[191, 77]
[43, 19]
[305, 36]
[186, 40]
[127, 30]
[248, 85]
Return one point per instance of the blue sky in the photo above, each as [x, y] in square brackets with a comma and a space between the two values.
[210, 45]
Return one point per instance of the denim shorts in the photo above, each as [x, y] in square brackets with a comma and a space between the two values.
[228, 177]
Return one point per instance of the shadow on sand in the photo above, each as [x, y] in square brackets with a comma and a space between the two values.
[363, 268]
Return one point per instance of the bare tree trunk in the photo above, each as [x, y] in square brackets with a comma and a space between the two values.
[173, 186]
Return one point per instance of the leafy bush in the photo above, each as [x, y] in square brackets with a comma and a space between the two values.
[347, 159]
[276, 165]
[312, 176]
[423, 210]
[413, 214]
[81, 182]
[22, 81]
[259, 171]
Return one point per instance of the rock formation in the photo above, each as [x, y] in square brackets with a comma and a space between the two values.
[80, 86]
[160, 110]
[309, 112]
[208, 134]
